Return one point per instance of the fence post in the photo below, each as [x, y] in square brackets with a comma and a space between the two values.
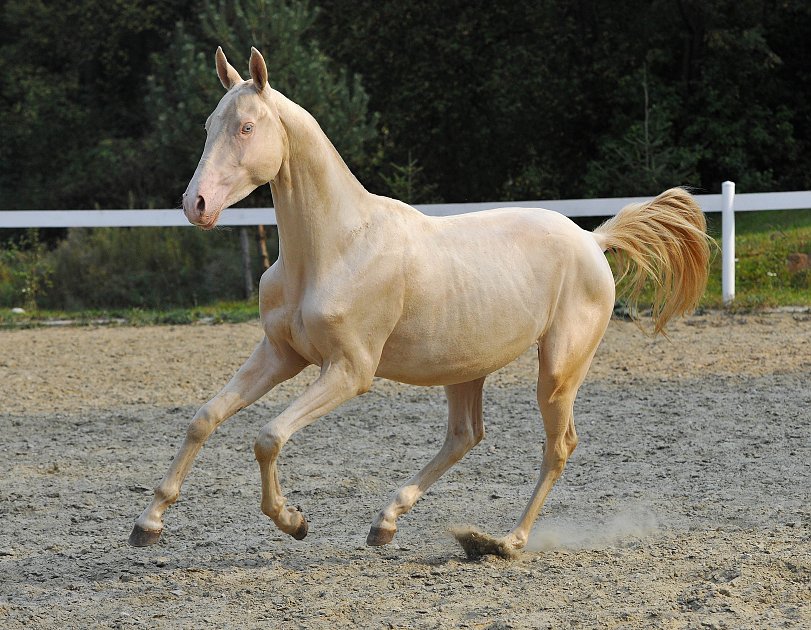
[728, 242]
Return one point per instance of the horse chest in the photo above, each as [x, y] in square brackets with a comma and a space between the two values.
[300, 340]
[315, 331]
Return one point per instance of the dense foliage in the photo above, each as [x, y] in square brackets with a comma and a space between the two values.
[102, 102]
[530, 99]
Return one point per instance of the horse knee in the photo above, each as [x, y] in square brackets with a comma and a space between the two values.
[462, 439]
[268, 443]
[201, 426]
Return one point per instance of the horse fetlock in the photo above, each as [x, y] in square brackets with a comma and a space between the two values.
[515, 540]
[273, 507]
[386, 519]
[404, 500]
[165, 495]
[291, 521]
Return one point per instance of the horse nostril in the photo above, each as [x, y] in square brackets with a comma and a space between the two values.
[200, 206]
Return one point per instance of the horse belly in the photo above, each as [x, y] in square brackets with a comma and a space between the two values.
[441, 342]
[445, 368]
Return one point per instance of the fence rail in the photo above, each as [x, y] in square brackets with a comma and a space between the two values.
[727, 203]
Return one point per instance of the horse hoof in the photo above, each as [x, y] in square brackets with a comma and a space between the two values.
[301, 530]
[379, 536]
[477, 544]
[141, 537]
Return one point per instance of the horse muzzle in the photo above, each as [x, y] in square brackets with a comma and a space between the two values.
[198, 212]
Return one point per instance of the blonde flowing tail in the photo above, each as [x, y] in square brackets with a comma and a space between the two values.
[664, 240]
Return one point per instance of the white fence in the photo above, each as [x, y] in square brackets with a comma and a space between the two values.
[726, 203]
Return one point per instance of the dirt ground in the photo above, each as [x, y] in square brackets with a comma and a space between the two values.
[686, 505]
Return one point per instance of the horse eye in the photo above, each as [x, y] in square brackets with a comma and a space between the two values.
[247, 128]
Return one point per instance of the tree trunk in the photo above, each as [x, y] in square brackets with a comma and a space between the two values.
[246, 261]
[262, 240]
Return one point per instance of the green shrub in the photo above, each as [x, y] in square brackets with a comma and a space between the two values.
[25, 272]
[144, 267]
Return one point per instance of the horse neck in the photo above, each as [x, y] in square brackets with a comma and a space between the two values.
[318, 201]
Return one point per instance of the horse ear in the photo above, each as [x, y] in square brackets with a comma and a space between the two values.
[259, 71]
[228, 76]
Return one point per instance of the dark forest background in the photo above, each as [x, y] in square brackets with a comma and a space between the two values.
[103, 104]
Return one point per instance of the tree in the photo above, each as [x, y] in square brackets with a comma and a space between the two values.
[71, 76]
[541, 99]
[645, 157]
[524, 98]
[735, 101]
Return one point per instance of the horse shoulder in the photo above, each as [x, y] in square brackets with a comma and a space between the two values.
[357, 305]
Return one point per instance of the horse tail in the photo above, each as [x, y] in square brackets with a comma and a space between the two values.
[664, 240]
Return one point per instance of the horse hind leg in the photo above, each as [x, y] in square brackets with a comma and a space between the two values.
[564, 363]
[465, 430]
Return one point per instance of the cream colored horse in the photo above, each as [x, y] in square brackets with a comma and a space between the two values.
[367, 286]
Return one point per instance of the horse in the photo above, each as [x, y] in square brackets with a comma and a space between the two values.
[368, 286]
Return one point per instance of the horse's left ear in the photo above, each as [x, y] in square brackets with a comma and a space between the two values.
[259, 71]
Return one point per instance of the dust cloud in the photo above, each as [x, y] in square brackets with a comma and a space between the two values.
[628, 525]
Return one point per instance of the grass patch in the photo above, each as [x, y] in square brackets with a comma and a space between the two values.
[218, 313]
[763, 243]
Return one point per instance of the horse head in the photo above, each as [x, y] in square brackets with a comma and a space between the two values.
[245, 144]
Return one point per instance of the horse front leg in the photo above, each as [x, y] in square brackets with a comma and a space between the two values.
[268, 366]
[338, 382]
